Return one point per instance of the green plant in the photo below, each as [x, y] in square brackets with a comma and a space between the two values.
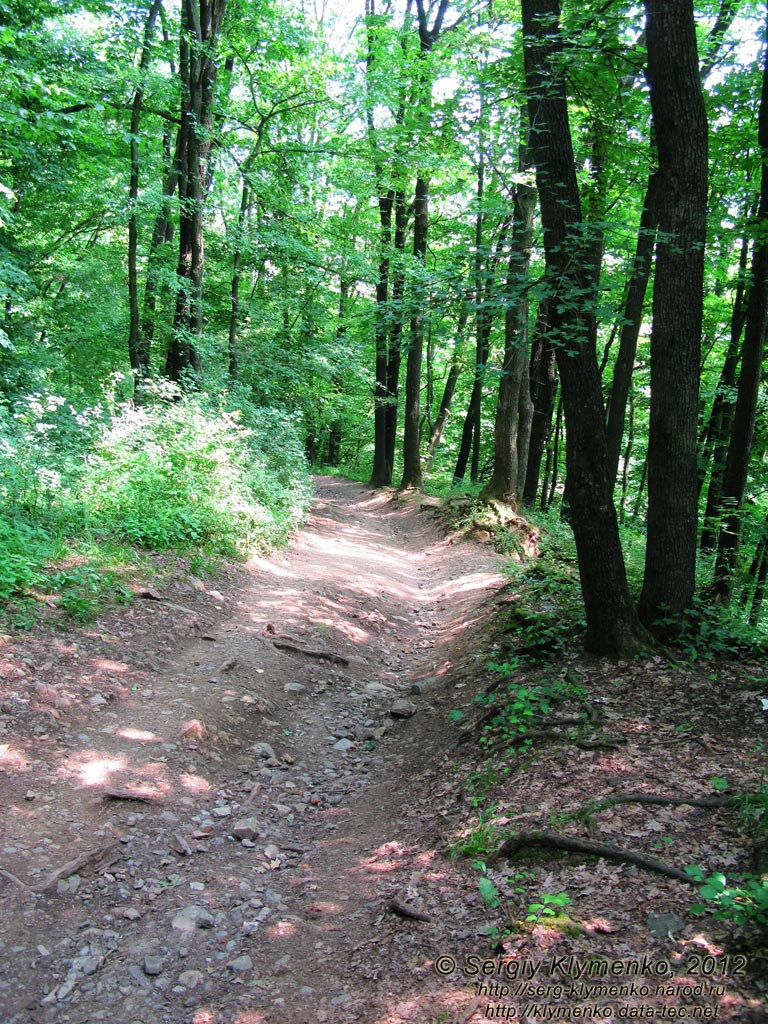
[753, 810]
[521, 705]
[482, 839]
[548, 907]
[742, 902]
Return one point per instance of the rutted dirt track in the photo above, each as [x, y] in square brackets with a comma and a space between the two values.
[250, 779]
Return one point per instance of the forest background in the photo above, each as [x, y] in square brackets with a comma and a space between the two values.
[512, 249]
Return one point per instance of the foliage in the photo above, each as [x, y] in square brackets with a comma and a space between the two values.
[182, 473]
[744, 901]
[186, 471]
[547, 907]
[522, 705]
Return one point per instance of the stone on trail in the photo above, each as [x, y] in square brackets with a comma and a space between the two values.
[262, 750]
[192, 917]
[247, 828]
[403, 709]
[241, 964]
[153, 965]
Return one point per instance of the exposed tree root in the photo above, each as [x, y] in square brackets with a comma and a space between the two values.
[102, 857]
[555, 841]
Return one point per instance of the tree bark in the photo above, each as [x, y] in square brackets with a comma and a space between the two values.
[543, 388]
[631, 322]
[714, 446]
[138, 352]
[200, 25]
[680, 126]
[742, 432]
[412, 474]
[504, 482]
[612, 624]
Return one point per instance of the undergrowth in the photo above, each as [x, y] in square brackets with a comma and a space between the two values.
[84, 490]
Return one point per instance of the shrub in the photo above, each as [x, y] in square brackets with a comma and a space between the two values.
[184, 474]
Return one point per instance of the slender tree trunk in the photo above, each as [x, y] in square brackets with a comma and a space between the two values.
[412, 472]
[714, 443]
[234, 308]
[137, 350]
[504, 481]
[742, 433]
[631, 322]
[483, 326]
[200, 25]
[382, 474]
[543, 388]
[396, 317]
[412, 476]
[612, 624]
[759, 572]
[162, 234]
[449, 389]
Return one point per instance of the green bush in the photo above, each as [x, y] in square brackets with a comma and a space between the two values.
[183, 473]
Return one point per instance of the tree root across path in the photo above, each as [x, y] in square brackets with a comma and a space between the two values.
[555, 841]
[546, 839]
[102, 857]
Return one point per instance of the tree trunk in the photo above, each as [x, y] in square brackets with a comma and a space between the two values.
[162, 233]
[631, 322]
[484, 301]
[200, 25]
[504, 481]
[396, 314]
[411, 448]
[543, 388]
[137, 350]
[382, 474]
[714, 443]
[742, 433]
[449, 389]
[680, 126]
[612, 624]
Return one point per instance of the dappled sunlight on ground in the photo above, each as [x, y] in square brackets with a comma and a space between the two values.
[12, 759]
[139, 735]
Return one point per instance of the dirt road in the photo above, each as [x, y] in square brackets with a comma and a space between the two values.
[231, 804]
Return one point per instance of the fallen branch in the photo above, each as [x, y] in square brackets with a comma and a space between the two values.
[555, 841]
[102, 857]
[406, 910]
[337, 659]
[132, 794]
[672, 801]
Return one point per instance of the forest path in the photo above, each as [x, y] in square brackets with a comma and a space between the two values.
[273, 762]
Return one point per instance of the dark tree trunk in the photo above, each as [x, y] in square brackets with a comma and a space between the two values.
[631, 322]
[714, 443]
[742, 433]
[200, 25]
[758, 572]
[680, 126]
[449, 389]
[504, 481]
[234, 308]
[543, 388]
[612, 624]
[412, 476]
[485, 297]
[138, 352]
[162, 234]
[396, 315]
[382, 473]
